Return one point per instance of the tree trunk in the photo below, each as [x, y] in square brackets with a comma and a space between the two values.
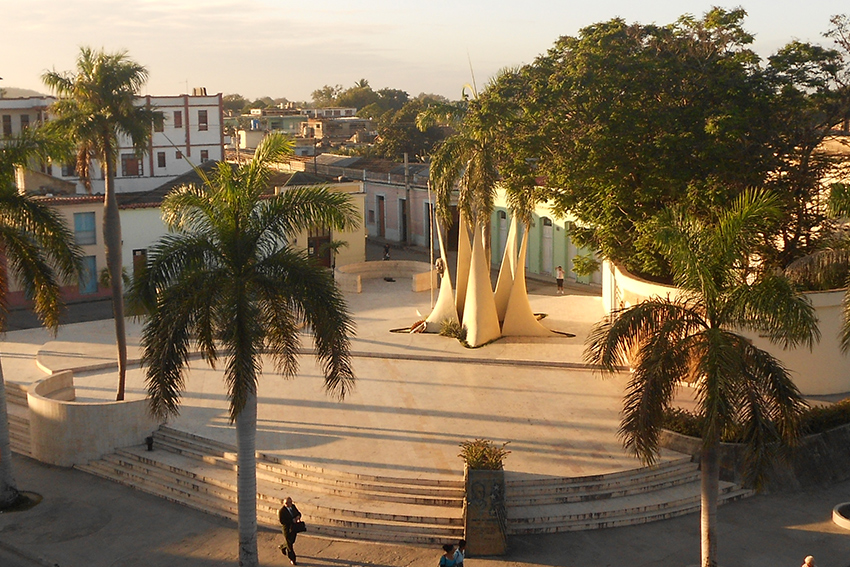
[8, 488]
[246, 482]
[709, 488]
[114, 264]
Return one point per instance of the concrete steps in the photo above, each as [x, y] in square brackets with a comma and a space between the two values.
[599, 487]
[620, 499]
[17, 409]
[16, 394]
[201, 473]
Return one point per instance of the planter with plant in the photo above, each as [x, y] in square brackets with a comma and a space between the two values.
[484, 515]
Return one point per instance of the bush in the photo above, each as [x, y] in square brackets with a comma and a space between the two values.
[453, 328]
[585, 265]
[820, 419]
[814, 420]
[482, 454]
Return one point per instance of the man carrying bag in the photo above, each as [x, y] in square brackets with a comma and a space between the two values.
[290, 520]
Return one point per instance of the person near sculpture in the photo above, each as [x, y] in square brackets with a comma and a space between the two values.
[289, 516]
[559, 279]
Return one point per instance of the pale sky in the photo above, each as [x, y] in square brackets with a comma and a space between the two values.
[284, 48]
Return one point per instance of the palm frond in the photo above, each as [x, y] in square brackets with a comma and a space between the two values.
[612, 341]
[772, 307]
[316, 301]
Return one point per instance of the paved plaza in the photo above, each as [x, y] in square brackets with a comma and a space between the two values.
[416, 398]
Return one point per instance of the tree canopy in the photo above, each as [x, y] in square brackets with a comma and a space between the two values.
[624, 120]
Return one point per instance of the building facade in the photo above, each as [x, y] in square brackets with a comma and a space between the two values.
[191, 134]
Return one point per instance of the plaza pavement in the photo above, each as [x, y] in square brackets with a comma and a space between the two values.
[416, 398]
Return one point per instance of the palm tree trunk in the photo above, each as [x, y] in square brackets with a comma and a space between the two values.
[246, 482]
[112, 242]
[709, 488]
[8, 488]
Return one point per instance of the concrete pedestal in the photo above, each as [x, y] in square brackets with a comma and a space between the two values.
[484, 515]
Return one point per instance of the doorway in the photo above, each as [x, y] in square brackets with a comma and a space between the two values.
[382, 219]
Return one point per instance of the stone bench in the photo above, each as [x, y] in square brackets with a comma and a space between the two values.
[350, 277]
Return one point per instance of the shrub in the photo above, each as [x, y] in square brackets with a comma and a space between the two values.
[453, 328]
[814, 420]
[585, 265]
[483, 454]
[823, 418]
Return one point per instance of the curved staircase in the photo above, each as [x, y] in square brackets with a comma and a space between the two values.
[17, 408]
[200, 473]
[648, 494]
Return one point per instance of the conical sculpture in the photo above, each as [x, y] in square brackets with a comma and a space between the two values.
[445, 308]
[506, 272]
[479, 316]
[519, 318]
[463, 257]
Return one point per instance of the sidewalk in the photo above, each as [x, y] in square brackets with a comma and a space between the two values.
[85, 521]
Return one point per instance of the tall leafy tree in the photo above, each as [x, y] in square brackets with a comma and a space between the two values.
[97, 105]
[631, 118]
[228, 279]
[39, 254]
[398, 134]
[695, 338]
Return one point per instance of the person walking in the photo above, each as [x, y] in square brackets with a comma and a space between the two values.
[809, 561]
[559, 278]
[460, 553]
[288, 516]
[386, 251]
[447, 559]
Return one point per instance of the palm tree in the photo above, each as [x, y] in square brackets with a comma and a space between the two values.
[39, 253]
[693, 338]
[96, 105]
[229, 278]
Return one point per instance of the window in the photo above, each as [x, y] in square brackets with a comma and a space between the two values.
[205, 155]
[69, 170]
[140, 260]
[178, 118]
[160, 159]
[178, 154]
[7, 125]
[131, 166]
[25, 121]
[158, 126]
[88, 275]
[202, 120]
[84, 232]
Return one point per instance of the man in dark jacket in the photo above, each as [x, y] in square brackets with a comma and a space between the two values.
[288, 515]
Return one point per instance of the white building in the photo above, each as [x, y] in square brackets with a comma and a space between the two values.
[191, 134]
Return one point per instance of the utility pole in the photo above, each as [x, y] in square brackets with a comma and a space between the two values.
[407, 208]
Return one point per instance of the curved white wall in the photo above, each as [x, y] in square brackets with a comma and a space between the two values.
[823, 370]
[68, 433]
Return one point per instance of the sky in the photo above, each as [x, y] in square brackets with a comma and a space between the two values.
[283, 48]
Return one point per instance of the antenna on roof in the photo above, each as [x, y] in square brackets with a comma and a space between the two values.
[472, 73]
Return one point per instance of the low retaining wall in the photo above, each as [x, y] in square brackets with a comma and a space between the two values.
[819, 460]
[350, 277]
[65, 432]
[820, 371]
